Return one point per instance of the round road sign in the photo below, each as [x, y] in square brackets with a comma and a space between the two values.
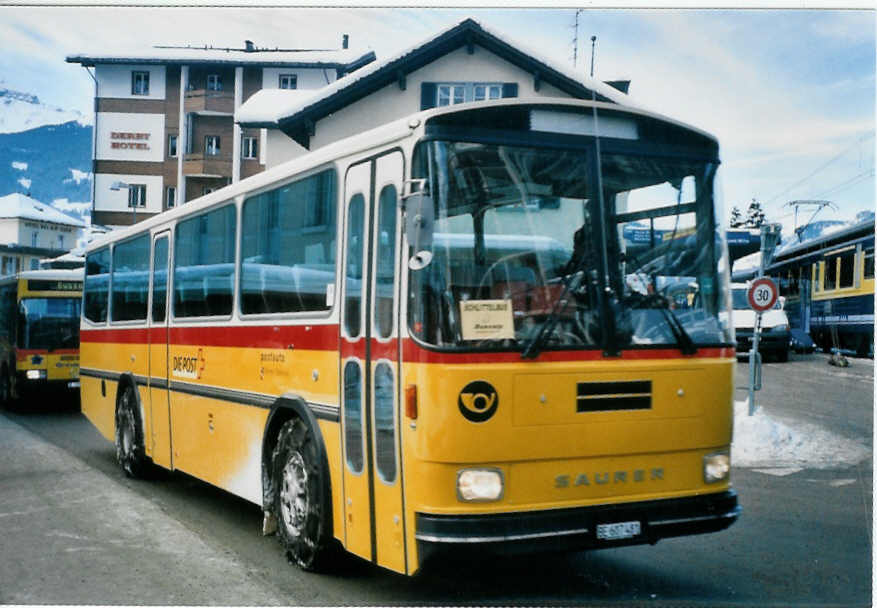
[762, 294]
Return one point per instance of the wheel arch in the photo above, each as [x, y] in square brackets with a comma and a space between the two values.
[285, 408]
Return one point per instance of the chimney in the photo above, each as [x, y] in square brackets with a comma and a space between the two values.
[344, 41]
[249, 47]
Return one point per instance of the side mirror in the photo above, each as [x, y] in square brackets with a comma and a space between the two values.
[419, 226]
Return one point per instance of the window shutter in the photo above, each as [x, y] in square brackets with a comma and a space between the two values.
[509, 89]
[427, 95]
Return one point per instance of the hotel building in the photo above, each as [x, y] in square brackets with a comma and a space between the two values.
[164, 129]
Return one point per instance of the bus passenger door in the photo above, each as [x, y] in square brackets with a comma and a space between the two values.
[373, 514]
[159, 403]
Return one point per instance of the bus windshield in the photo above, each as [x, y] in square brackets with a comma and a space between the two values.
[48, 323]
[523, 257]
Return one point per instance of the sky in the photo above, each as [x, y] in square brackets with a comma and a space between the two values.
[789, 93]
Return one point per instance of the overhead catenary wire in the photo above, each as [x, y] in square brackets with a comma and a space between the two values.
[860, 139]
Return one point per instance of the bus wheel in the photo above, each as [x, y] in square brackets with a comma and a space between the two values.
[300, 498]
[130, 451]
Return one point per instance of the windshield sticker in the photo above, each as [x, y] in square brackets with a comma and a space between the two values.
[487, 319]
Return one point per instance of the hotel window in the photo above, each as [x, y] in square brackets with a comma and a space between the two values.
[211, 145]
[139, 83]
[288, 81]
[137, 195]
[34, 239]
[249, 147]
[214, 82]
[60, 241]
[172, 146]
[171, 196]
[34, 264]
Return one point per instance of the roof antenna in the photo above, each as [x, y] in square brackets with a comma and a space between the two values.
[593, 43]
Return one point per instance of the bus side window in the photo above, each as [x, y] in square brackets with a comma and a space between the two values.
[97, 282]
[353, 276]
[159, 280]
[204, 264]
[869, 263]
[385, 262]
[130, 279]
[287, 247]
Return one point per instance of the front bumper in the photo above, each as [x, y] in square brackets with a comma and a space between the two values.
[768, 342]
[575, 528]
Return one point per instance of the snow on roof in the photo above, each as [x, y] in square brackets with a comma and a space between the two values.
[263, 104]
[18, 205]
[292, 106]
[188, 55]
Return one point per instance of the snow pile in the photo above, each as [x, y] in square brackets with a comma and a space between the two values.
[763, 442]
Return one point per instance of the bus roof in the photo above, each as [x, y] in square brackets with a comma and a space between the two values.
[49, 274]
[361, 143]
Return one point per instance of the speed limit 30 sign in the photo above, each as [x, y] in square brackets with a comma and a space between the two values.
[762, 294]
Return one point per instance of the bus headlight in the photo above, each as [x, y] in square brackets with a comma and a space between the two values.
[474, 485]
[36, 374]
[716, 466]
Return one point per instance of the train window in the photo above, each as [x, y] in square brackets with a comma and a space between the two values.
[847, 269]
[869, 263]
[830, 279]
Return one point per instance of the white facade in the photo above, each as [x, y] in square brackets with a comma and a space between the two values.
[391, 102]
[117, 200]
[137, 137]
[307, 78]
[115, 81]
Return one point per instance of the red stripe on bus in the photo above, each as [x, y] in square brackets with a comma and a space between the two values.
[416, 354]
[325, 337]
[309, 337]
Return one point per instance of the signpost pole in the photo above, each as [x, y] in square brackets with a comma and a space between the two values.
[770, 236]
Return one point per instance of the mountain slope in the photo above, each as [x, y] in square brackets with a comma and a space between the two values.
[49, 162]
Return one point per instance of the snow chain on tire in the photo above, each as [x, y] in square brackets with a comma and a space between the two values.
[299, 497]
[130, 450]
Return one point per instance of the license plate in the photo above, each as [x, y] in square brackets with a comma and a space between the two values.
[621, 530]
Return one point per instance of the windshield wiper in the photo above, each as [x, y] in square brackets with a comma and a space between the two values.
[535, 344]
[683, 339]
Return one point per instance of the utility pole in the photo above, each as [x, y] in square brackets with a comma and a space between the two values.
[593, 44]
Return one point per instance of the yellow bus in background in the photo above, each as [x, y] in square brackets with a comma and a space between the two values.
[432, 337]
[39, 332]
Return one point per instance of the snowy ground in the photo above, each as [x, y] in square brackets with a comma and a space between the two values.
[764, 443]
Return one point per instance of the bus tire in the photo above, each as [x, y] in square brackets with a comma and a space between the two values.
[130, 450]
[301, 497]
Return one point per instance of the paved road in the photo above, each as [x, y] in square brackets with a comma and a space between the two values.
[75, 531]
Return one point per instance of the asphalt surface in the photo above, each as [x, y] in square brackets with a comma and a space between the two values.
[74, 530]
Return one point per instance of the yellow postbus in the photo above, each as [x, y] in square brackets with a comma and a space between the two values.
[433, 337]
[39, 332]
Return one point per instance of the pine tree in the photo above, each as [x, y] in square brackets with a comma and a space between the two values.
[736, 218]
[754, 215]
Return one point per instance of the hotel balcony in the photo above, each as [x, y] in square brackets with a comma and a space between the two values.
[200, 165]
[204, 102]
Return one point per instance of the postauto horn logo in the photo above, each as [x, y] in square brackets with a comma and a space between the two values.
[478, 401]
